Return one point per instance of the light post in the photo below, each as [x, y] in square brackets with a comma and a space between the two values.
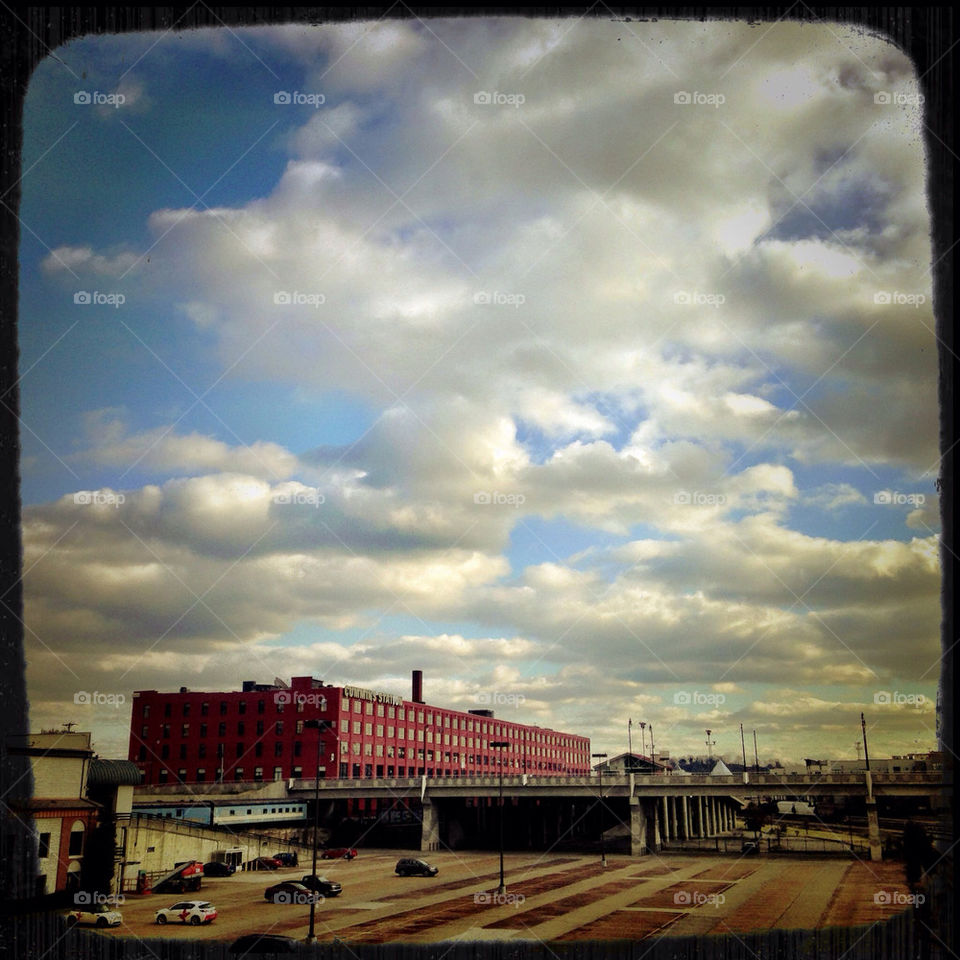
[321, 726]
[630, 742]
[603, 848]
[643, 737]
[500, 744]
[653, 758]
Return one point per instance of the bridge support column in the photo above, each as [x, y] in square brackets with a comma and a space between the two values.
[657, 818]
[698, 812]
[429, 827]
[638, 828]
[711, 817]
[873, 830]
[665, 820]
[684, 818]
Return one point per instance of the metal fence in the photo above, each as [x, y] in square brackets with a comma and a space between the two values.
[45, 937]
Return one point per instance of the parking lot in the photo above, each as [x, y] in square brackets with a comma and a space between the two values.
[549, 896]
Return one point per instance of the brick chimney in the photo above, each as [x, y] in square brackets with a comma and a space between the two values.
[417, 696]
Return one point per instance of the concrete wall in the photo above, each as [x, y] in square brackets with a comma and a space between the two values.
[159, 844]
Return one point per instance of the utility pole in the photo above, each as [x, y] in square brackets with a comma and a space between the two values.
[873, 824]
[744, 751]
[630, 741]
[603, 849]
[500, 744]
[756, 756]
[322, 726]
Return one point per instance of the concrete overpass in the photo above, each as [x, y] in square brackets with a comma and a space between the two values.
[658, 807]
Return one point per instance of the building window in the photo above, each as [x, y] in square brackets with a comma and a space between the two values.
[142, 753]
[258, 773]
[258, 749]
[368, 729]
[391, 712]
[144, 731]
[261, 706]
[201, 774]
[279, 706]
[186, 709]
[239, 750]
[355, 747]
[163, 776]
[202, 750]
[368, 708]
[368, 749]
[300, 725]
[146, 711]
[297, 747]
[278, 727]
[401, 713]
[166, 709]
[185, 730]
[166, 729]
[204, 709]
[165, 751]
[182, 775]
[259, 728]
[183, 751]
[242, 706]
[223, 708]
[203, 730]
[241, 728]
[356, 726]
[379, 729]
[43, 846]
[379, 709]
[238, 773]
[220, 750]
[299, 706]
[278, 749]
[76, 840]
[297, 773]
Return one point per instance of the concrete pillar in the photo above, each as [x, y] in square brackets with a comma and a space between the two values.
[698, 809]
[638, 828]
[711, 817]
[429, 827]
[684, 818]
[657, 825]
[674, 822]
[873, 830]
[664, 820]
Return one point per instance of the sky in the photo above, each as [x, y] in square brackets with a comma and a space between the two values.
[588, 366]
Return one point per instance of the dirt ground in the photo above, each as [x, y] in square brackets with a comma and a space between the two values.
[548, 897]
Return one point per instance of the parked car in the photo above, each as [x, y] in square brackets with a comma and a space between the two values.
[329, 888]
[289, 892]
[338, 853]
[287, 859]
[257, 943]
[262, 863]
[96, 915]
[409, 867]
[217, 869]
[750, 847]
[193, 912]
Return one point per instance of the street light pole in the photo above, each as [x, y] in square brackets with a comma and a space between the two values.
[321, 727]
[500, 744]
[630, 741]
[603, 848]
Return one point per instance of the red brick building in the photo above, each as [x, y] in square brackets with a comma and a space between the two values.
[260, 733]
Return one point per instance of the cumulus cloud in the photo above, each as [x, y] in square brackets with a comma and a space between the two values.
[603, 307]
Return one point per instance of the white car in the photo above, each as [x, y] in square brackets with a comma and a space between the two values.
[97, 915]
[194, 912]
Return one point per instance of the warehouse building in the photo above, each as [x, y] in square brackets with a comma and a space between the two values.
[263, 732]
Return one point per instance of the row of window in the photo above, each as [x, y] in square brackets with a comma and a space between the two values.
[221, 729]
[355, 770]
[401, 714]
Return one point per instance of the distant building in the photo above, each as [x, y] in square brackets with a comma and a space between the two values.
[632, 763]
[260, 733]
[63, 818]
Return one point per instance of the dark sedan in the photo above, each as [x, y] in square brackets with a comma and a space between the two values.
[329, 888]
[291, 892]
[217, 869]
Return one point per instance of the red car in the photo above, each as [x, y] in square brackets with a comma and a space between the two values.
[339, 853]
[262, 863]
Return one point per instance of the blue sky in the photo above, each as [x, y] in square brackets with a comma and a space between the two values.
[582, 388]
